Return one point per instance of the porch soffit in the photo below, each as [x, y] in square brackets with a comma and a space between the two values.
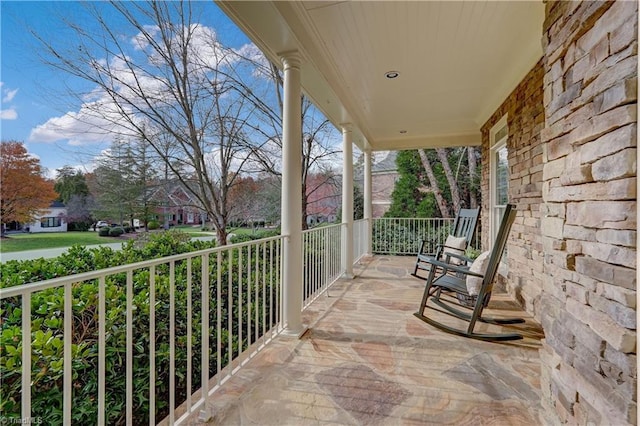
[457, 62]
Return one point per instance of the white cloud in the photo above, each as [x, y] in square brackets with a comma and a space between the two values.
[8, 114]
[97, 119]
[9, 95]
[94, 123]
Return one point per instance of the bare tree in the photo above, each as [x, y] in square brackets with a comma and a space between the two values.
[434, 187]
[471, 158]
[169, 81]
[451, 179]
[319, 150]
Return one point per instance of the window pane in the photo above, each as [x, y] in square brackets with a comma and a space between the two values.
[502, 177]
[501, 133]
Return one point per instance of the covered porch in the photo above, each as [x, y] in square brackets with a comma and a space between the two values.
[549, 90]
[367, 360]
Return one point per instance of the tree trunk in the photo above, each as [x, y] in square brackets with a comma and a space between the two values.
[453, 183]
[433, 183]
[473, 196]
[221, 235]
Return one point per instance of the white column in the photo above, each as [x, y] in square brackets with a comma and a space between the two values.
[347, 201]
[368, 204]
[292, 195]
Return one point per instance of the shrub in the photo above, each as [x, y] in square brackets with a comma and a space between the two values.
[153, 224]
[116, 231]
[241, 238]
[78, 226]
[47, 329]
[104, 231]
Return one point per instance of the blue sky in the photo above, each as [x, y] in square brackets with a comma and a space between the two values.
[35, 108]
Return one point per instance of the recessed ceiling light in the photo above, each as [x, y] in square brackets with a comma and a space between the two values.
[403, 131]
[391, 74]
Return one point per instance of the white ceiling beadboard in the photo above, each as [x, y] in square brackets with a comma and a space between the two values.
[458, 60]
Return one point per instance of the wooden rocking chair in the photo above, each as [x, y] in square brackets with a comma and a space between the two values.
[464, 225]
[457, 284]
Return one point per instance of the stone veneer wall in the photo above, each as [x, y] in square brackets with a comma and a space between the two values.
[525, 119]
[588, 223]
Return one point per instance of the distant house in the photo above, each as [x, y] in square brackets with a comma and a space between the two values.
[178, 204]
[323, 198]
[51, 220]
[384, 174]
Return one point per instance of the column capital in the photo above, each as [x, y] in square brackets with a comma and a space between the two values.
[346, 127]
[291, 59]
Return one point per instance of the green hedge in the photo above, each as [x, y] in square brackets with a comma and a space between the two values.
[47, 327]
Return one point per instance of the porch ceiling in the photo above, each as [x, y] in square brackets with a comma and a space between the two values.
[457, 61]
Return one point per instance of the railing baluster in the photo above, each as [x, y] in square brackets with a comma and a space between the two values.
[205, 415]
[271, 288]
[249, 304]
[218, 316]
[26, 356]
[172, 342]
[129, 343]
[189, 335]
[230, 312]
[102, 343]
[240, 302]
[264, 294]
[152, 345]
[68, 339]
[257, 299]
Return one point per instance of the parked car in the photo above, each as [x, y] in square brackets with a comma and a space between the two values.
[101, 223]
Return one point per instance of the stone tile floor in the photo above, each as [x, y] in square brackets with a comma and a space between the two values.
[367, 360]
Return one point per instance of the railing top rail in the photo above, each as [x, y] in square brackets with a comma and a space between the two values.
[414, 218]
[320, 228]
[85, 276]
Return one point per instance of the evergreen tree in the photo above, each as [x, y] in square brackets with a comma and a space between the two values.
[70, 182]
[435, 182]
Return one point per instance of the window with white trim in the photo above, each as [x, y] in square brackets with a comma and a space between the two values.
[499, 175]
[50, 222]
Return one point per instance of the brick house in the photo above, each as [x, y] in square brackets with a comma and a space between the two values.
[549, 91]
[178, 205]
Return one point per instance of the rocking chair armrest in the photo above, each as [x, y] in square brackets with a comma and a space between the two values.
[432, 243]
[462, 257]
[458, 269]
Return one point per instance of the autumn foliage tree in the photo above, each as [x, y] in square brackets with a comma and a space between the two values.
[24, 191]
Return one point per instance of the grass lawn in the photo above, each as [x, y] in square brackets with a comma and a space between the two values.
[194, 231]
[21, 242]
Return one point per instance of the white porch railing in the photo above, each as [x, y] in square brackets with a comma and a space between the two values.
[154, 332]
[186, 318]
[360, 239]
[321, 257]
[402, 236]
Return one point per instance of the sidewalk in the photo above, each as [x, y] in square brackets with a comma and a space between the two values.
[48, 253]
[55, 252]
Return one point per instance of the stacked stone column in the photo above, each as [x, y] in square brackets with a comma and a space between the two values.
[588, 222]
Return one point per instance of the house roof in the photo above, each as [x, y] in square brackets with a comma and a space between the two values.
[457, 61]
[57, 204]
[387, 163]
